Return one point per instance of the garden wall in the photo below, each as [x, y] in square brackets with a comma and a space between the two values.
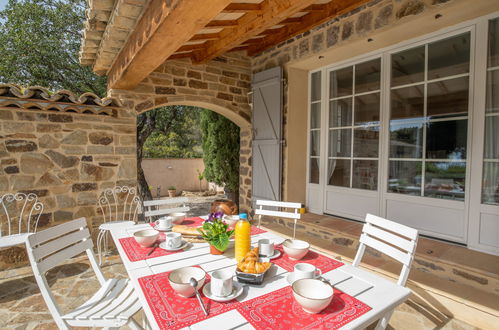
[179, 172]
[66, 150]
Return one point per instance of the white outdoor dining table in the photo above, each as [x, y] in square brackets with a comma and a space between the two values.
[380, 294]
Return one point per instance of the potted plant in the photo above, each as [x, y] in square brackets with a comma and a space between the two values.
[216, 233]
[172, 191]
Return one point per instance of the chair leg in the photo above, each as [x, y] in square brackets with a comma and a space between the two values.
[383, 322]
[99, 245]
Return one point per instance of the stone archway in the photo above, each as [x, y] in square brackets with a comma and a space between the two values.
[221, 85]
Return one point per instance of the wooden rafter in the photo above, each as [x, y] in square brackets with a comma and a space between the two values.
[222, 23]
[242, 7]
[181, 55]
[308, 21]
[152, 41]
[205, 36]
[186, 48]
[251, 24]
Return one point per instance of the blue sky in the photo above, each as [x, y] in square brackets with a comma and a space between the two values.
[2, 4]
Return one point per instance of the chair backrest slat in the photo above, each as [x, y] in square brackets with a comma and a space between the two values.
[278, 214]
[393, 239]
[290, 205]
[59, 230]
[120, 203]
[60, 243]
[386, 236]
[63, 255]
[166, 211]
[169, 201]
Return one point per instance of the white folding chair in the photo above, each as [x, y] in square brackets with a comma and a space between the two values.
[113, 305]
[20, 214]
[272, 205]
[393, 239]
[119, 207]
[161, 207]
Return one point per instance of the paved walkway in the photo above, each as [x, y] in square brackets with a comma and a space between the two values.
[22, 307]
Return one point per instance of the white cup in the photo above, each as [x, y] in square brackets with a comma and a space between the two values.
[304, 270]
[221, 283]
[265, 247]
[164, 223]
[173, 240]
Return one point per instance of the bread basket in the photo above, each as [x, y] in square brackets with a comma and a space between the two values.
[249, 278]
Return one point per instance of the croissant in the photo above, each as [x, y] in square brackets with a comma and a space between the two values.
[250, 264]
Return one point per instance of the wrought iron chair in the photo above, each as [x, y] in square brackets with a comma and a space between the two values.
[393, 239]
[20, 214]
[119, 207]
[272, 205]
[173, 205]
[112, 306]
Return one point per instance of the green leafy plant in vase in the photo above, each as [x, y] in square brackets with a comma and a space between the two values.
[215, 232]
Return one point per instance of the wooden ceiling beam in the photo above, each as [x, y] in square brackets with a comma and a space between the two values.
[291, 20]
[314, 18]
[186, 48]
[251, 24]
[315, 7]
[181, 55]
[242, 7]
[205, 36]
[222, 23]
[162, 29]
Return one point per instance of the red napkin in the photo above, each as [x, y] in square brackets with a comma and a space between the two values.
[279, 310]
[135, 252]
[325, 264]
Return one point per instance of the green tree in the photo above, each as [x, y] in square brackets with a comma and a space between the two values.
[40, 44]
[171, 131]
[221, 152]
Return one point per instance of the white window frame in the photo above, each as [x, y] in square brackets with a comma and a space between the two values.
[471, 206]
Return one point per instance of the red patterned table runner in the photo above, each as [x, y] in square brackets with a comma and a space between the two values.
[325, 264]
[279, 310]
[172, 311]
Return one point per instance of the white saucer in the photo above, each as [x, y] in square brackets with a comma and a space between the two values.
[276, 254]
[164, 247]
[236, 292]
[162, 229]
[290, 278]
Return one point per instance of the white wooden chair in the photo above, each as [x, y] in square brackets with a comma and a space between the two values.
[270, 211]
[113, 305]
[393, 239]
[20, 214]
[119, 207]
[160, 207]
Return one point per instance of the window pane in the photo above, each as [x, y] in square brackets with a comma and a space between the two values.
[314, 170]
[407, 102]
[449, 57]
[315, 143]
[367, 109]
[366, 142]
[367, 76]
[445, 180]
[339, 172]
[340, 113]
[408, 66]
[341, 82]
[365, 174]
[490, 194]
[493, 59]
[315, 115]
[491, 137]
[340, 142]
[446, 139]
[406, 140]
[448, 98]
[405, 177]
[316, 86]
[492, 97]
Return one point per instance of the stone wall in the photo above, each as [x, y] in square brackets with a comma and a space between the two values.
[360, 24]
[66, 158]
[222, 85]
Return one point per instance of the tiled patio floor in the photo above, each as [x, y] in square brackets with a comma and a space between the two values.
[22, 307]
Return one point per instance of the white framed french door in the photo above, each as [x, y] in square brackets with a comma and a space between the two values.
[411, 133]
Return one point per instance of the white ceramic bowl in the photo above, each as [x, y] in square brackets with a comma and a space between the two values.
[179, 280]
[312, 295]
[295, 248]
[177, 218]
[146, 237]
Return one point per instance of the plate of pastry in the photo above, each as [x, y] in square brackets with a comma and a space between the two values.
[250, 269]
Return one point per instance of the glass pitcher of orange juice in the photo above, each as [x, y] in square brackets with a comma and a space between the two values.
[242, 238]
